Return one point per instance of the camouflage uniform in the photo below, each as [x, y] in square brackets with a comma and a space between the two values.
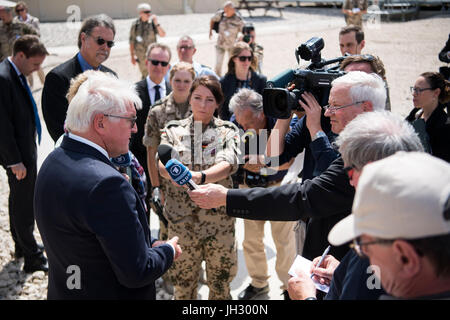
[204, 234]
[228, 32]
[258, 52]
[142, 34]
[355, 19]
[9, 33]
[159, 115]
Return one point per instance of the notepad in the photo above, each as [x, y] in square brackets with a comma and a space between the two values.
[303, 264]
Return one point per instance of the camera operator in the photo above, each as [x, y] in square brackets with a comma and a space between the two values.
[324, 199]
[247, 106]
[249, 36]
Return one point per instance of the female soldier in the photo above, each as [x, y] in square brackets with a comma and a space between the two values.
[208, 147]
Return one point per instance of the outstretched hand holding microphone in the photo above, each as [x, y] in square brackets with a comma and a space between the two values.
[182, 176]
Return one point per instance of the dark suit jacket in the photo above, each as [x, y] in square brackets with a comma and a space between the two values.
[136, 145]
[54, 102]
[229, 88]
[326, 200]
[17, 123]
[89, 216]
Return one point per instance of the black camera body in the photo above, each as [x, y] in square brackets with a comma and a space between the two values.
[282, 93]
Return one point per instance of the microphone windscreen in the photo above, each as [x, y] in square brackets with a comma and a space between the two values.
[178, 172]
[123, 160]
[165, 153]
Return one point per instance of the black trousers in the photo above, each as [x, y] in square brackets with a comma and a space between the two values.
[21, 211]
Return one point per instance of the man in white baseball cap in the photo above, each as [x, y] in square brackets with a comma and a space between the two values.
[401, 221]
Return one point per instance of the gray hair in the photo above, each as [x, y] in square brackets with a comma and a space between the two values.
[376, 135]
[162, 46]
[246, 99]
[94, 92]
[364, 87]
[186, 38]
[100, 20]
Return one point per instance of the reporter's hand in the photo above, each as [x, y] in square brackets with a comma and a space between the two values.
[313, 113]
[19, 170]
[324, 273]
[209, 196]
[301, 286]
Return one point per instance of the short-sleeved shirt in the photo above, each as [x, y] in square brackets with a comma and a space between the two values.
[142, 34]
[355, 4]
[229, 27]
[9, 33]
[159, 115]
[199, 149]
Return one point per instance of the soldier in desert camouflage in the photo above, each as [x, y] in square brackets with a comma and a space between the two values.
[208, 146]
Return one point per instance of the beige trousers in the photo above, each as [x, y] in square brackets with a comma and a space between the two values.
[220, 55]
[254, 253]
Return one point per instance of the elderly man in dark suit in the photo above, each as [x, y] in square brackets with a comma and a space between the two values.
[94, 224]
[95, 40]
[150, 89]
[19, 124]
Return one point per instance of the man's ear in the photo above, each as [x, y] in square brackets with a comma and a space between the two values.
[407, 258]
[362, 44]
[367, 106]
[98, 122]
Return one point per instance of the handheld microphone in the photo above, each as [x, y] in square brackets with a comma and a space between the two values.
[180, 174]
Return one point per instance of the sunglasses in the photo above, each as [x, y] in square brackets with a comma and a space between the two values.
[19, 10]
[243, 58]
[147, 12]
[185, 47]
[156, 62]
[100, 41]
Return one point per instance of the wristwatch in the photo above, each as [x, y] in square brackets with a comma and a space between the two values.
[311, 298]
[202, 181]
[319, 134]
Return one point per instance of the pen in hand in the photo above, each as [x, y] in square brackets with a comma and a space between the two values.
[321, 259]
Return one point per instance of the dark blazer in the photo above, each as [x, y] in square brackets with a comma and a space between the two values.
[438, 129]
[136, 145]
[17, 123]
[54, 102]
[90, 217]
[326, 200]
[229, 87]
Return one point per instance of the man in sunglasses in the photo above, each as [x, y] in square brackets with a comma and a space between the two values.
[143, 32]
[95, 40]
[151, 89]
[324, 199]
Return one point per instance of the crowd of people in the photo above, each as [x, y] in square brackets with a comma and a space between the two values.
[368, 178]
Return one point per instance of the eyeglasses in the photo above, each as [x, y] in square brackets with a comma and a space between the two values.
[156, 62]
[418, 90]
[350, 170]
[19, 10]
[186, 47]
[333, 109]
[357, 245]
[100, 41]
[147, 12]
[243, 58]
[131, 119]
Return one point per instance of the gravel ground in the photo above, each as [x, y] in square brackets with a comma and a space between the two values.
[407, 50]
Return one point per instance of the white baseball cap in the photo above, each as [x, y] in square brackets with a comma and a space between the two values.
[144, 7]
[404, 196]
